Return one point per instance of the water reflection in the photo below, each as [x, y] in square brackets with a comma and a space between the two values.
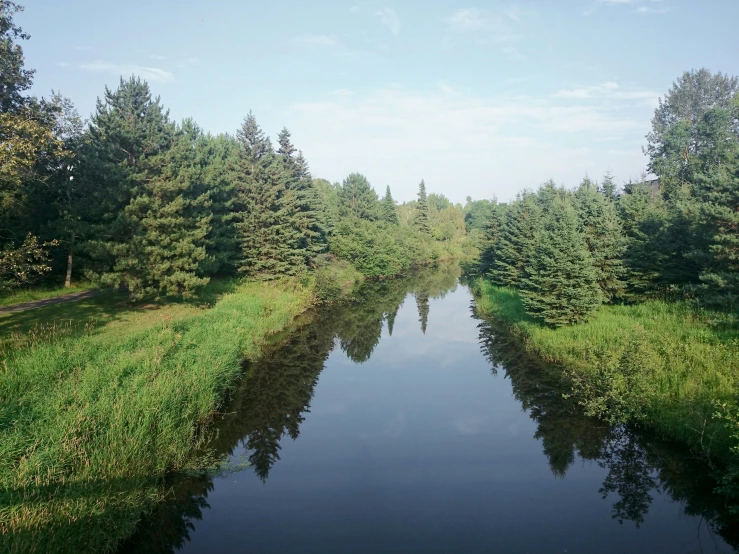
[270, 405]
[639, 466]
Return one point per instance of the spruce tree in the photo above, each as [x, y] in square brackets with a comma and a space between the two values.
[560, 284]
[491, 236]
[517, 240]
[421, 219]
[308, 219]
[604, 236]
[719, 188]
[388, 209]
[608, 187]
[268, 237]
[422, 303]
[391, 320]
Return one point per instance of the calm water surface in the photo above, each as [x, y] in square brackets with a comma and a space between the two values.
[401, 423]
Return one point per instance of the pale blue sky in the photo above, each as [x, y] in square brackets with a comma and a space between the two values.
[481, 98]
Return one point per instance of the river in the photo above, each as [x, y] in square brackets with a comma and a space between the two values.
[400, 422]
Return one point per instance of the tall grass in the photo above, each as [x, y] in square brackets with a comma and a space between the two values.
[90, 422]
[662, 365]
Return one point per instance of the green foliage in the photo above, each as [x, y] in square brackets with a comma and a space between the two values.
[604, 237]
[560, 285]
[421, 219]
[517, 240]
[357, 198]
[388, 208]
[23, 265]
[101, 416]
[663, 365]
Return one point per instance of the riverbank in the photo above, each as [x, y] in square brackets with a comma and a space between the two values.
[98, 405]
[660, 365]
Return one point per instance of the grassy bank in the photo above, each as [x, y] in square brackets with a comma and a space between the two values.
[661, 365]
[92, 416]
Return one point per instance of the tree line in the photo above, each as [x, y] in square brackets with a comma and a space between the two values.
[135, 200]
[676, 236]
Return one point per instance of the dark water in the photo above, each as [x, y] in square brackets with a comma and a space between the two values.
[401, 423]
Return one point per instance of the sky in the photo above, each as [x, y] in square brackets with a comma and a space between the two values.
[478, 98]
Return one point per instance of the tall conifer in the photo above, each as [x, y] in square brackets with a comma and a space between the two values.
[421, 219]
[560, 284]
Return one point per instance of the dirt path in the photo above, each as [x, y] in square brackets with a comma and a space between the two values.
[48, 301]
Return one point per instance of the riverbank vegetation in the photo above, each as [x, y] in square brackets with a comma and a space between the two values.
[634, 293]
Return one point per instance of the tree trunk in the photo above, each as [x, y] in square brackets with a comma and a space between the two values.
[68, 281]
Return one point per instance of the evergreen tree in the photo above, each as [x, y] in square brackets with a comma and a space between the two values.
[560, 284]
[491, 238]
[517, 240]
[309, 220]
[358, 198]
[267, 233]
[217, 156]
[604, 236]
[719, 187]
[608, 187]
[421, 219]
[170, 213]
[388, 209]
[643, 219]
[128, 131]
[391, 320]
[422, 303]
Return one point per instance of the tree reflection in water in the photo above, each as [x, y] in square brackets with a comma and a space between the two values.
[639, 466]
[270, 403]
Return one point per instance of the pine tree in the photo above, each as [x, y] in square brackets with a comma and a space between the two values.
[388, 208]
[170, 213]
[560, 284]
[421, 219]
[357, 198]
[517, 240]
[604, 236]
[217, 156]
[129, 130]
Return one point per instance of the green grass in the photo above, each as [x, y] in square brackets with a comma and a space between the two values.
[666, 364]
[92, 416]
[41, 293]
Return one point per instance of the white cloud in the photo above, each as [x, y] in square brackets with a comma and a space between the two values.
[149, 73]
[503, 27]
[188, 62]
[459, 142]
[325, 41]
[610, 91]
[389, 19]
[157, 57]
[642, 7]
